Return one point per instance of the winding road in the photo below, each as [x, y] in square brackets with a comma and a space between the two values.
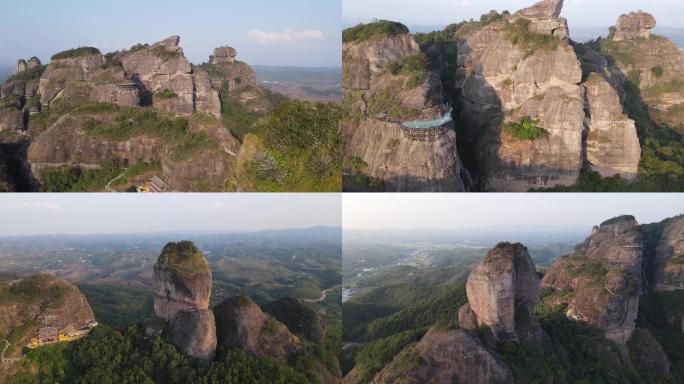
[324, 294]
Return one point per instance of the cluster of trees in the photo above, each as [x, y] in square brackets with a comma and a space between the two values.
[76, 52]
[109, 357]
[377, 28]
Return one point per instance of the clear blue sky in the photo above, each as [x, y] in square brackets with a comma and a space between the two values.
[522, 210]
[94, 213]
[266, 32]
[581, 13]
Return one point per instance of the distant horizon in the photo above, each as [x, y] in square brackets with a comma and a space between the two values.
[102, 213]
[296, 33]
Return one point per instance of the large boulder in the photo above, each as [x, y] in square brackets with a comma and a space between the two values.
[634, 25]
[223, 55]
[242, 324]
[194, 332]
[446, 356]
[500, 287]
[22, 66]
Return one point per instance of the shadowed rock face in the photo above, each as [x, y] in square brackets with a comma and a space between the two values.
[604, 275]
[446, 356]
[503, 284]
[182, 286]
[668, 264]
[634, 25]
[242, 324]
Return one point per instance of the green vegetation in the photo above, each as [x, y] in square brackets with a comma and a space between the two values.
[74, 179]
[526, 129]
[105, 357]
[30, 74]
[414, 66]
[530, 42]
[182, 256]
[594, 269]
[378, 353]
[164, 54]
[76, 52]
[119, 307]
[33, 289]
[658, 312]
[387, 101]
[355, 162]
[657, 71]
[361, 182]
[380, 28]
[166, 94]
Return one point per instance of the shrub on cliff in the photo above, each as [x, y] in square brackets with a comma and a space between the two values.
[375, 29]
[76, 52]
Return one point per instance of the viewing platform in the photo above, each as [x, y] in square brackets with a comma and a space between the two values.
[428, 129]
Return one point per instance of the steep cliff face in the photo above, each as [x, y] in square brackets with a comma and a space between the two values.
[604, 276]
[182, 287]
[444, 356]
[668, 263]
[522, 66]
[85, 77]
[652, 63]
[499, 289]
[42, 300]
[242, 324]
[387, 81]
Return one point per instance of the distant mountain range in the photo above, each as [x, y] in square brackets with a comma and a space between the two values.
[305, 83]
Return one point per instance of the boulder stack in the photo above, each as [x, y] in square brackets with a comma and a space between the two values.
[182, 287]
[634, 25]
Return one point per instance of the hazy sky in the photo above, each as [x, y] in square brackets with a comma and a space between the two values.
[88, 213]
[585, 13]
[463, 211]
[267, 32]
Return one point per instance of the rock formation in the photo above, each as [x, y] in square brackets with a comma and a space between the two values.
[383, 95]
[668, 261]
[45, 300]
[445, 356]
[634, 25]
[85, 77]
[612, 145]
[182, 287]
[22, 66]
[505, 75]
[299, 318]
[499, 289]
[223, 55]
[652, 63]
[242, 324]
[604, 275]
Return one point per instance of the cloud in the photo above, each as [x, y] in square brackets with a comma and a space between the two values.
[286, 36]
[40, 205]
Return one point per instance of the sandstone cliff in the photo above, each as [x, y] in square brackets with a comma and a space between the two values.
[182, 287]
[668, 259]
[501, 289]
[387, 80]
[604, 276]
[242, 324]
[42, 300]
[652, 63]
[446, 356]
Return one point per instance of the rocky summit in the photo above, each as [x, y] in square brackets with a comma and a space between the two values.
[86, 110]
[502, 288]
[182, 287]
[634, 25]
